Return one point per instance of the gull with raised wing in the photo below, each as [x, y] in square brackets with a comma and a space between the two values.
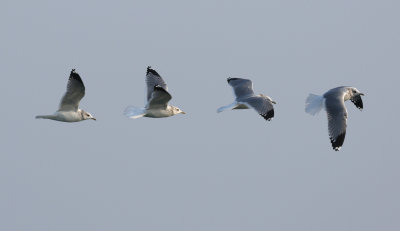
[245, 98]
[333, 102]
[157, 99]
[69, 110]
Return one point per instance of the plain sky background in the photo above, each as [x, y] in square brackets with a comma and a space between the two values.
[203, 170]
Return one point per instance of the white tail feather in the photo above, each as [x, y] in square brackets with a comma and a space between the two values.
[314, 104]
[134, 112]
[44, 117]
[230, 106]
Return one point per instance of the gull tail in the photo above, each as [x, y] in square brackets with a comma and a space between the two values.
[134, 112]
[227, 107]
[314, 104]
[44, 116]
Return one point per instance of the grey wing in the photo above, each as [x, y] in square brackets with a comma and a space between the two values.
[357, 101]
[337, 120]
[262, 105]
[153, 79]
[75, 92]
[242, 88]
[159, 98]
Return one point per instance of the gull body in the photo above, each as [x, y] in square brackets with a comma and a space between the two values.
[159, 113]
[69, 110]
[333, 102]
[246, 99]
[157, 99]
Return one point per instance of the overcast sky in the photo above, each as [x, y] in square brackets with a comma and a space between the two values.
[200, 171]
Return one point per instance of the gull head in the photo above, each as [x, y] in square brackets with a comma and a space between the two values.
[87, 115]
[176, 110]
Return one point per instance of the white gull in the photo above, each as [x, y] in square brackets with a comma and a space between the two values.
[245, 98]
[69, 110]
[333, 102]
[157, 99]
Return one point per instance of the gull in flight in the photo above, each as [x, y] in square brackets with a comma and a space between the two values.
[245, 98]
[69, 110]
[157, 99]
[333, 102]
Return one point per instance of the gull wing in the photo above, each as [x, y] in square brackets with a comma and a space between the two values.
[262, 105]
[153, 79]
[75, 92]
[337, 119]
[159, 98]
[242, 88]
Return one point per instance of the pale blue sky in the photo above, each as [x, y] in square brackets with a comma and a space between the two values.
[203, 170]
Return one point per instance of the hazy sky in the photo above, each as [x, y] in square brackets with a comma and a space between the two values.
[200, 171]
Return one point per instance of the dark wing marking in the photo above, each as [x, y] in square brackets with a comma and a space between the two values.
[357, 101]
[336, 144]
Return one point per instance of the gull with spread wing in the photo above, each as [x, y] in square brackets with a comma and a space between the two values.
[245, 98]
[69, 110]
[333, 102]
[157, 99]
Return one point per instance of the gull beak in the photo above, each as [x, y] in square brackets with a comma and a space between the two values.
[273, 102]
[361, 93]
[93, 118]
[183, 112]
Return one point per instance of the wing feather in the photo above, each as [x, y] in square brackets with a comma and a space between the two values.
[159, 98]
[262, 105]
[337, 120]
[153, 79]
[75, 92]
[242, 88]
[357, 101]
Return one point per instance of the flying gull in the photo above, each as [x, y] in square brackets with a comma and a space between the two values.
[333, 101]
[69, 110]
[245, 99]
[157, 99]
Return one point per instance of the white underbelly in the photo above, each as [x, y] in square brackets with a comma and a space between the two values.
[157, 113]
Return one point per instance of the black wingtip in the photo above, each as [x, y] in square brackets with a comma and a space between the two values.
[358, 103]
[338, 142]
[269, 115]
[75, 75]
[149, 70]
[230, 79]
